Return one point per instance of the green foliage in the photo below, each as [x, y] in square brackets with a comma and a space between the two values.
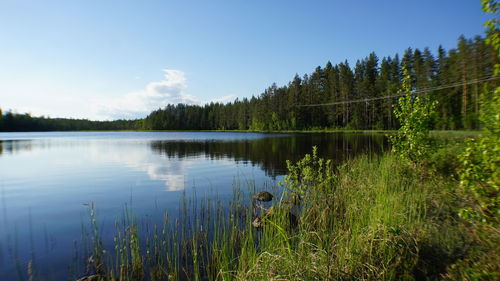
[256, 125]
[309, 172]
[275, 122]
[411, 141]
[480, 178]
[13, 122]
[480, 173]
[443, 158]
[493, 38]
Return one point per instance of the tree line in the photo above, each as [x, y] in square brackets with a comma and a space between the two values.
[13, 122]
[285, 108]
[331, 87]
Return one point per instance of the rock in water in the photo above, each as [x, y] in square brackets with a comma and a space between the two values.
[263, 196]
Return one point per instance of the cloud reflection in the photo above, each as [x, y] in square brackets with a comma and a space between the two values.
[172, 171]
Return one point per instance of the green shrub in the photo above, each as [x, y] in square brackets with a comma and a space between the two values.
[480, 172]
[411, 141]
[309, 172]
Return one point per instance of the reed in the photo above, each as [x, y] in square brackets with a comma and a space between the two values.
[373, 218]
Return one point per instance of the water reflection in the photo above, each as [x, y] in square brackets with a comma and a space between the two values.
[45, 179]
[169, 160]
[14, 146]
[271, 153]
[140, 157]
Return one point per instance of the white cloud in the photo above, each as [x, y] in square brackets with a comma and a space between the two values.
[170, 90]
[224, 99]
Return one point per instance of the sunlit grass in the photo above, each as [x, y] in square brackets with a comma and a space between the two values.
[378, 218]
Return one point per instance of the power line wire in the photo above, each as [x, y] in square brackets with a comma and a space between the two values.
[417, 92]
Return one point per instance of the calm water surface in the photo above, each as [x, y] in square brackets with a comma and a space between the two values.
[47, 181]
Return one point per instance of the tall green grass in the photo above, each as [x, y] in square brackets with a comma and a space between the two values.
[360, 225]
[376, 218]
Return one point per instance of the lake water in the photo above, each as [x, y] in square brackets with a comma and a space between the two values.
[47, 181]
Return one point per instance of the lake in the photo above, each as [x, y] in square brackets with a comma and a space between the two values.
[48, 180]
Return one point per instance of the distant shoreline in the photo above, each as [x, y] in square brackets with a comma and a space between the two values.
[437, 133]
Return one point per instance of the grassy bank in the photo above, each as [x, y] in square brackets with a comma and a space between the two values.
[377, 218]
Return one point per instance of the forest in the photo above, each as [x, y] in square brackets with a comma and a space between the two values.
[13, 122]
[341, 96]
[371, 79]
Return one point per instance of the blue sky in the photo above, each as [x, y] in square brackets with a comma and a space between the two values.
[121, 59]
